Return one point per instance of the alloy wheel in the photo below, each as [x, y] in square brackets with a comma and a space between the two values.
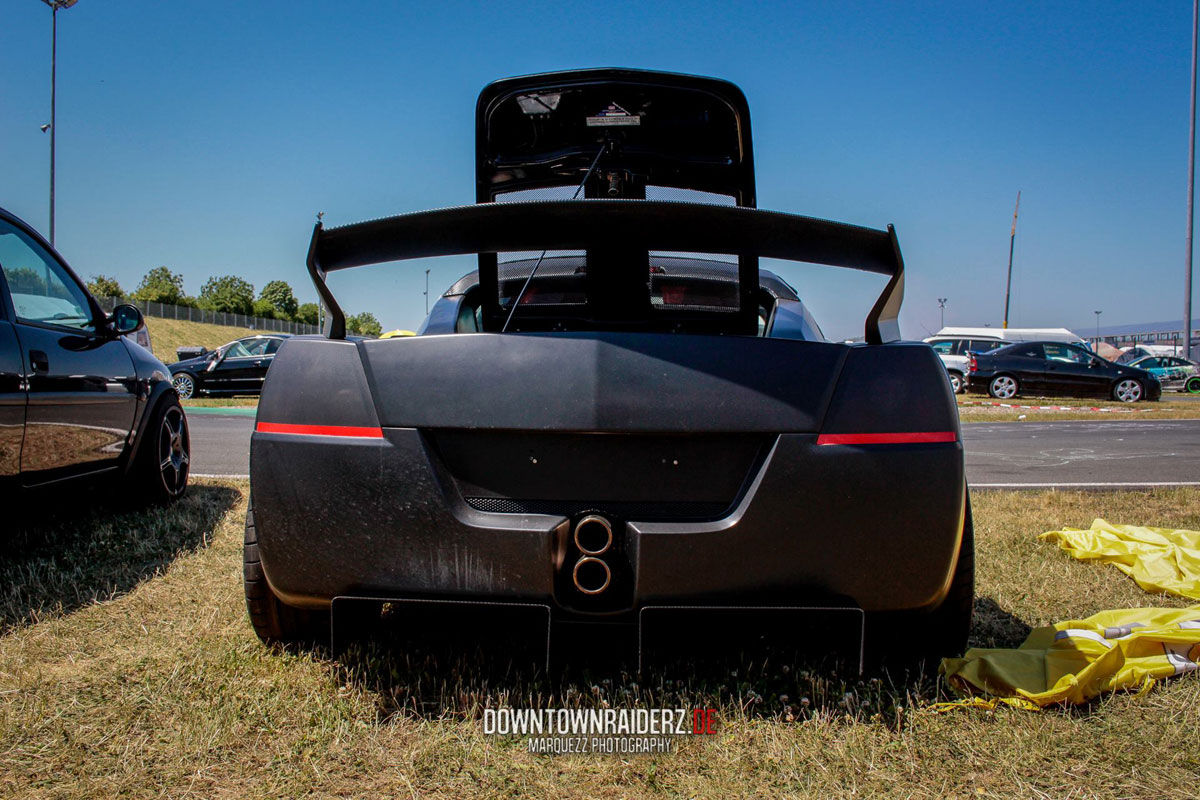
[956, 382]
[1004, 387]
[1128, 391]
[174, 456]
[185, 387]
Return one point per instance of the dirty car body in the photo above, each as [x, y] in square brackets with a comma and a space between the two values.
[646, 423]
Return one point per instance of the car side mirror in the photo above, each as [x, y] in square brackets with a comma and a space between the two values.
[127, 319]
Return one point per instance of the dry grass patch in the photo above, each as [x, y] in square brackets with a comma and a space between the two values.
[149, 683]
[1171, 406]
[166, 335]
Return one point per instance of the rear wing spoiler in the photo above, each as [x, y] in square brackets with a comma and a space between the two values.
[636, 224]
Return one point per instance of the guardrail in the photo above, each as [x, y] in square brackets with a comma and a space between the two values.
[170, 311]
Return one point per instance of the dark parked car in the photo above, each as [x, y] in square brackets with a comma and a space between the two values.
[1057, 369]
[644, 432]
[239, 367]
[77, 399]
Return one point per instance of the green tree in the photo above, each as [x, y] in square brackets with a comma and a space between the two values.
[309, 314]
[279, 294]
[104, 286]
[364, 324]
[227, 293]
[264, 309]
[160, 285]
[24, 280]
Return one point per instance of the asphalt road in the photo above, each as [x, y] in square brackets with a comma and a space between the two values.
[1106, 454]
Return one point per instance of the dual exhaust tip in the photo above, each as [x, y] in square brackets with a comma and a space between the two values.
[594, 538]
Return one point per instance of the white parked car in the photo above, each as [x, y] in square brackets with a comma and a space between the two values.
[953, 352]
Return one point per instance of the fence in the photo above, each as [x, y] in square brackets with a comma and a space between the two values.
[169, 311]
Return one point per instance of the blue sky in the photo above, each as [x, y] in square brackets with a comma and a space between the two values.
[206, 135]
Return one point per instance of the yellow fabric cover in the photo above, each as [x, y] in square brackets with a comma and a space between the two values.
[1074, 661]
[1159, 559]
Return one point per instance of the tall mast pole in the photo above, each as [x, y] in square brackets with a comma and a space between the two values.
[53, 121]
[1012, 240]
[1187, 283]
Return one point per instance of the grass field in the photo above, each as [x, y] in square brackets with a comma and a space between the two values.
[168, 334]
[127, 668]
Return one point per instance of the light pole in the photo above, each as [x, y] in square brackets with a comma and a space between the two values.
[426, 292]
[1187, 283]
[55, 5]
[942, 307]
[1097, 313]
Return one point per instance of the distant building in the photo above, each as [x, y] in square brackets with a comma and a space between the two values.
[1168, 334]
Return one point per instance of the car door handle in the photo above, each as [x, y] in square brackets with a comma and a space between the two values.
[39, 361]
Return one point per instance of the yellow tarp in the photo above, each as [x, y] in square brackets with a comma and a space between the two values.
[1159, 559]
[1074, 661]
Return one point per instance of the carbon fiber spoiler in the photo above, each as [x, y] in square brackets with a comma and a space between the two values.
[635, 224]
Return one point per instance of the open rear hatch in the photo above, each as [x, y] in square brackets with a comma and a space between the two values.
[658, 129]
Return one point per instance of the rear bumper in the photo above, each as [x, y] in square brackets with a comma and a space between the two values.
[876, 527]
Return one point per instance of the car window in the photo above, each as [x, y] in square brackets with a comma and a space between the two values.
[983, 345]
[254, 347]
[1067, 353]
[41, 290]
[236, 350]
[1150, 363]
[273, 345]
[944, 347]
[1028, 351]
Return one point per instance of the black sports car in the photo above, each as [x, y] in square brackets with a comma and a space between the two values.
[1057, 369]
[641, 429]
[77, 398]
[239, 367]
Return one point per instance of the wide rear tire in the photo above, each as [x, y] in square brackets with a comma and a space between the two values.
[273, 621]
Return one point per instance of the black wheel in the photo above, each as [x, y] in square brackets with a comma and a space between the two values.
[956, 382]
[160, 474]
[1128, 390]
[272, 620]
[185, 385]
[1004, 387]
[922, 640]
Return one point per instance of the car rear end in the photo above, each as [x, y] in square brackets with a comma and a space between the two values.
[640, 472]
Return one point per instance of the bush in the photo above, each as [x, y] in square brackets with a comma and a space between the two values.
[279, 295]
[264, 309]
[227, 293]
[309, 314]
[364, 324]
[104, 286]
[160, 285]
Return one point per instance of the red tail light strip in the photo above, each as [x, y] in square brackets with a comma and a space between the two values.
[924, 437]
[320, 430]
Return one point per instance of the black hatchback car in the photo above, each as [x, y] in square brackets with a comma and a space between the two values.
[77, 398]
[1056, 368]
[239, 367]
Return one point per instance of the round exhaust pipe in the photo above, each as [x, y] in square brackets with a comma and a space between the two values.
[591, 575]
[593, 535]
